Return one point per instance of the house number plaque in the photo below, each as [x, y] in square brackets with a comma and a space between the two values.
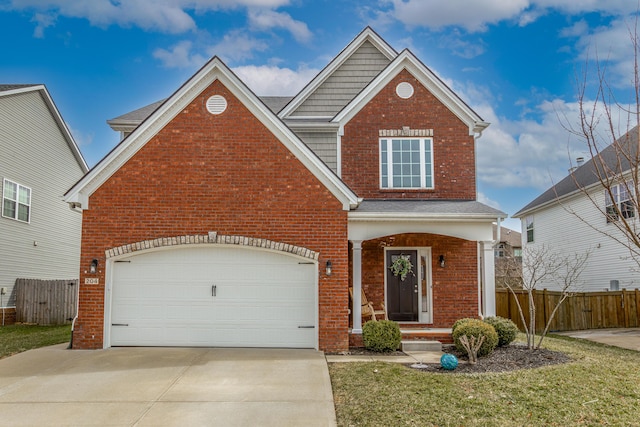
[91, 281]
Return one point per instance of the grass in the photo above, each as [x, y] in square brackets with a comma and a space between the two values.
[18, 338]
[601, 386]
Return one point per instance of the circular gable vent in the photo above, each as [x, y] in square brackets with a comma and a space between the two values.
[404, 90]
[216, 104]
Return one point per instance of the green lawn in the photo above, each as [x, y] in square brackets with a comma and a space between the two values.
[600, 387]
[17, 338]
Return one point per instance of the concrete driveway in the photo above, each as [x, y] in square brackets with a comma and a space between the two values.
[165, 387]
[619, 337]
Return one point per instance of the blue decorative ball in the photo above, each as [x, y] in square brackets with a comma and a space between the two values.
[449, 362]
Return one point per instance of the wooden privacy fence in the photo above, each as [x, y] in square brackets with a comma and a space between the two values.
[46, 302]
[591, 310]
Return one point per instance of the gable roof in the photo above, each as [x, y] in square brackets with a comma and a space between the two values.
[510, 237]
[215, 69]
[406, 60]
[367, 35]
[15, 89]
[608, 161]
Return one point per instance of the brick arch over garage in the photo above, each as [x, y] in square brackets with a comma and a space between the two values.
[211, 238]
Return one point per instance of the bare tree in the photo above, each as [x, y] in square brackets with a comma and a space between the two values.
[609, 129]
[541, 265]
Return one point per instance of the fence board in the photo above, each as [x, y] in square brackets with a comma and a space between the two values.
[589, 310]
[46, 302]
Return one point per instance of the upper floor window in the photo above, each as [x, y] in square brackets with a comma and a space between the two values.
[529, 229]
[406, 163]
[16, 201]
[619, 202]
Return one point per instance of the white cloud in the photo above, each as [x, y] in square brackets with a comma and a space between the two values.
[43, 21]
[272, 80]
[611, 7]
[83, 139]
[475, 16]
[537, 152]
[179, 56]
[169, 16]
[237, 45]
[611, 46]
[482, 198]
[269, 19]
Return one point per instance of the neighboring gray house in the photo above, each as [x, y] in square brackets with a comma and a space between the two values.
[39, 161]
[564, 219]
[508, 256]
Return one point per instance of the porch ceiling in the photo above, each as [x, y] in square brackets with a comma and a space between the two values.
[469, 220]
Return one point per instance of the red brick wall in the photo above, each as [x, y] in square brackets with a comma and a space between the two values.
[453, 148]
[224, 173]
[454, 287]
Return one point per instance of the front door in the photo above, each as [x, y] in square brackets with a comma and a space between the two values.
[402, 293]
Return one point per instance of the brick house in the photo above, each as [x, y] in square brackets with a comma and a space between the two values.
[225, 219]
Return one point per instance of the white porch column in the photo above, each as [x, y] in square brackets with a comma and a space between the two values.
[489, 280]
[356, 309]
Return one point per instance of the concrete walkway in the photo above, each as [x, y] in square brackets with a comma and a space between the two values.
[620, 337]
[53, 386]
[411, 357]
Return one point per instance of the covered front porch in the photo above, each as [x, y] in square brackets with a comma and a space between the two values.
[449, 246]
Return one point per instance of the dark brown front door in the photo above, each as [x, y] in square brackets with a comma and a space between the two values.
[402, 295]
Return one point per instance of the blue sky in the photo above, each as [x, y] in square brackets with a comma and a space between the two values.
[518, 63]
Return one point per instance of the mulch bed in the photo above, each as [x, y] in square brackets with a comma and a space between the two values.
[503, 359]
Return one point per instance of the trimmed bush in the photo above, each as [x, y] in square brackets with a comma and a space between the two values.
[460, 322]
[381, 336]
[505, 328]
[476, 328]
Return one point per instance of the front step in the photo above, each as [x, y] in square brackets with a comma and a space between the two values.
[421, 346]
[426, 334]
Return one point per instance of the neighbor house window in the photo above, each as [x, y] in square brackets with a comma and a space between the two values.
[499, 251]
[529, 229]
[406, 163]
[619, 202]
[517, 252]
[16, 201]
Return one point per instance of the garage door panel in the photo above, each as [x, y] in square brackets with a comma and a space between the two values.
[261, 299]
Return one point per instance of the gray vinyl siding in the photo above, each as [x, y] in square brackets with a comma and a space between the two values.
[345, 82]
[562, 231]
[324, 144]
[34, 153]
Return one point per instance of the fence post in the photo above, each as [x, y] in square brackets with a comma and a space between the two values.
[625, 308]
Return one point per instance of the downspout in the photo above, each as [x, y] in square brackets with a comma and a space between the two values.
[74, 207]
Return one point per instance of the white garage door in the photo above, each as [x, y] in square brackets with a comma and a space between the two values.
[214, 296]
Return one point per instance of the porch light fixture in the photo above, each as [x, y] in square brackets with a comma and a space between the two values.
[329, 268]
[94, 266]
[441, 261]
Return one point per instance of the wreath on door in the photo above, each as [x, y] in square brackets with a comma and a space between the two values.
[401, 266]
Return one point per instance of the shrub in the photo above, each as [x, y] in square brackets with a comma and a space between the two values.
[505, 328]
[381, 336]
[476, 328]
[460, 322]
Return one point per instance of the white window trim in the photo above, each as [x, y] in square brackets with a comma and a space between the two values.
[617, 191]
[529, 227]
[423, 166]
[18, 185]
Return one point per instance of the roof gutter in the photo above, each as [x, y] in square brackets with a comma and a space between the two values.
[396, 216]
